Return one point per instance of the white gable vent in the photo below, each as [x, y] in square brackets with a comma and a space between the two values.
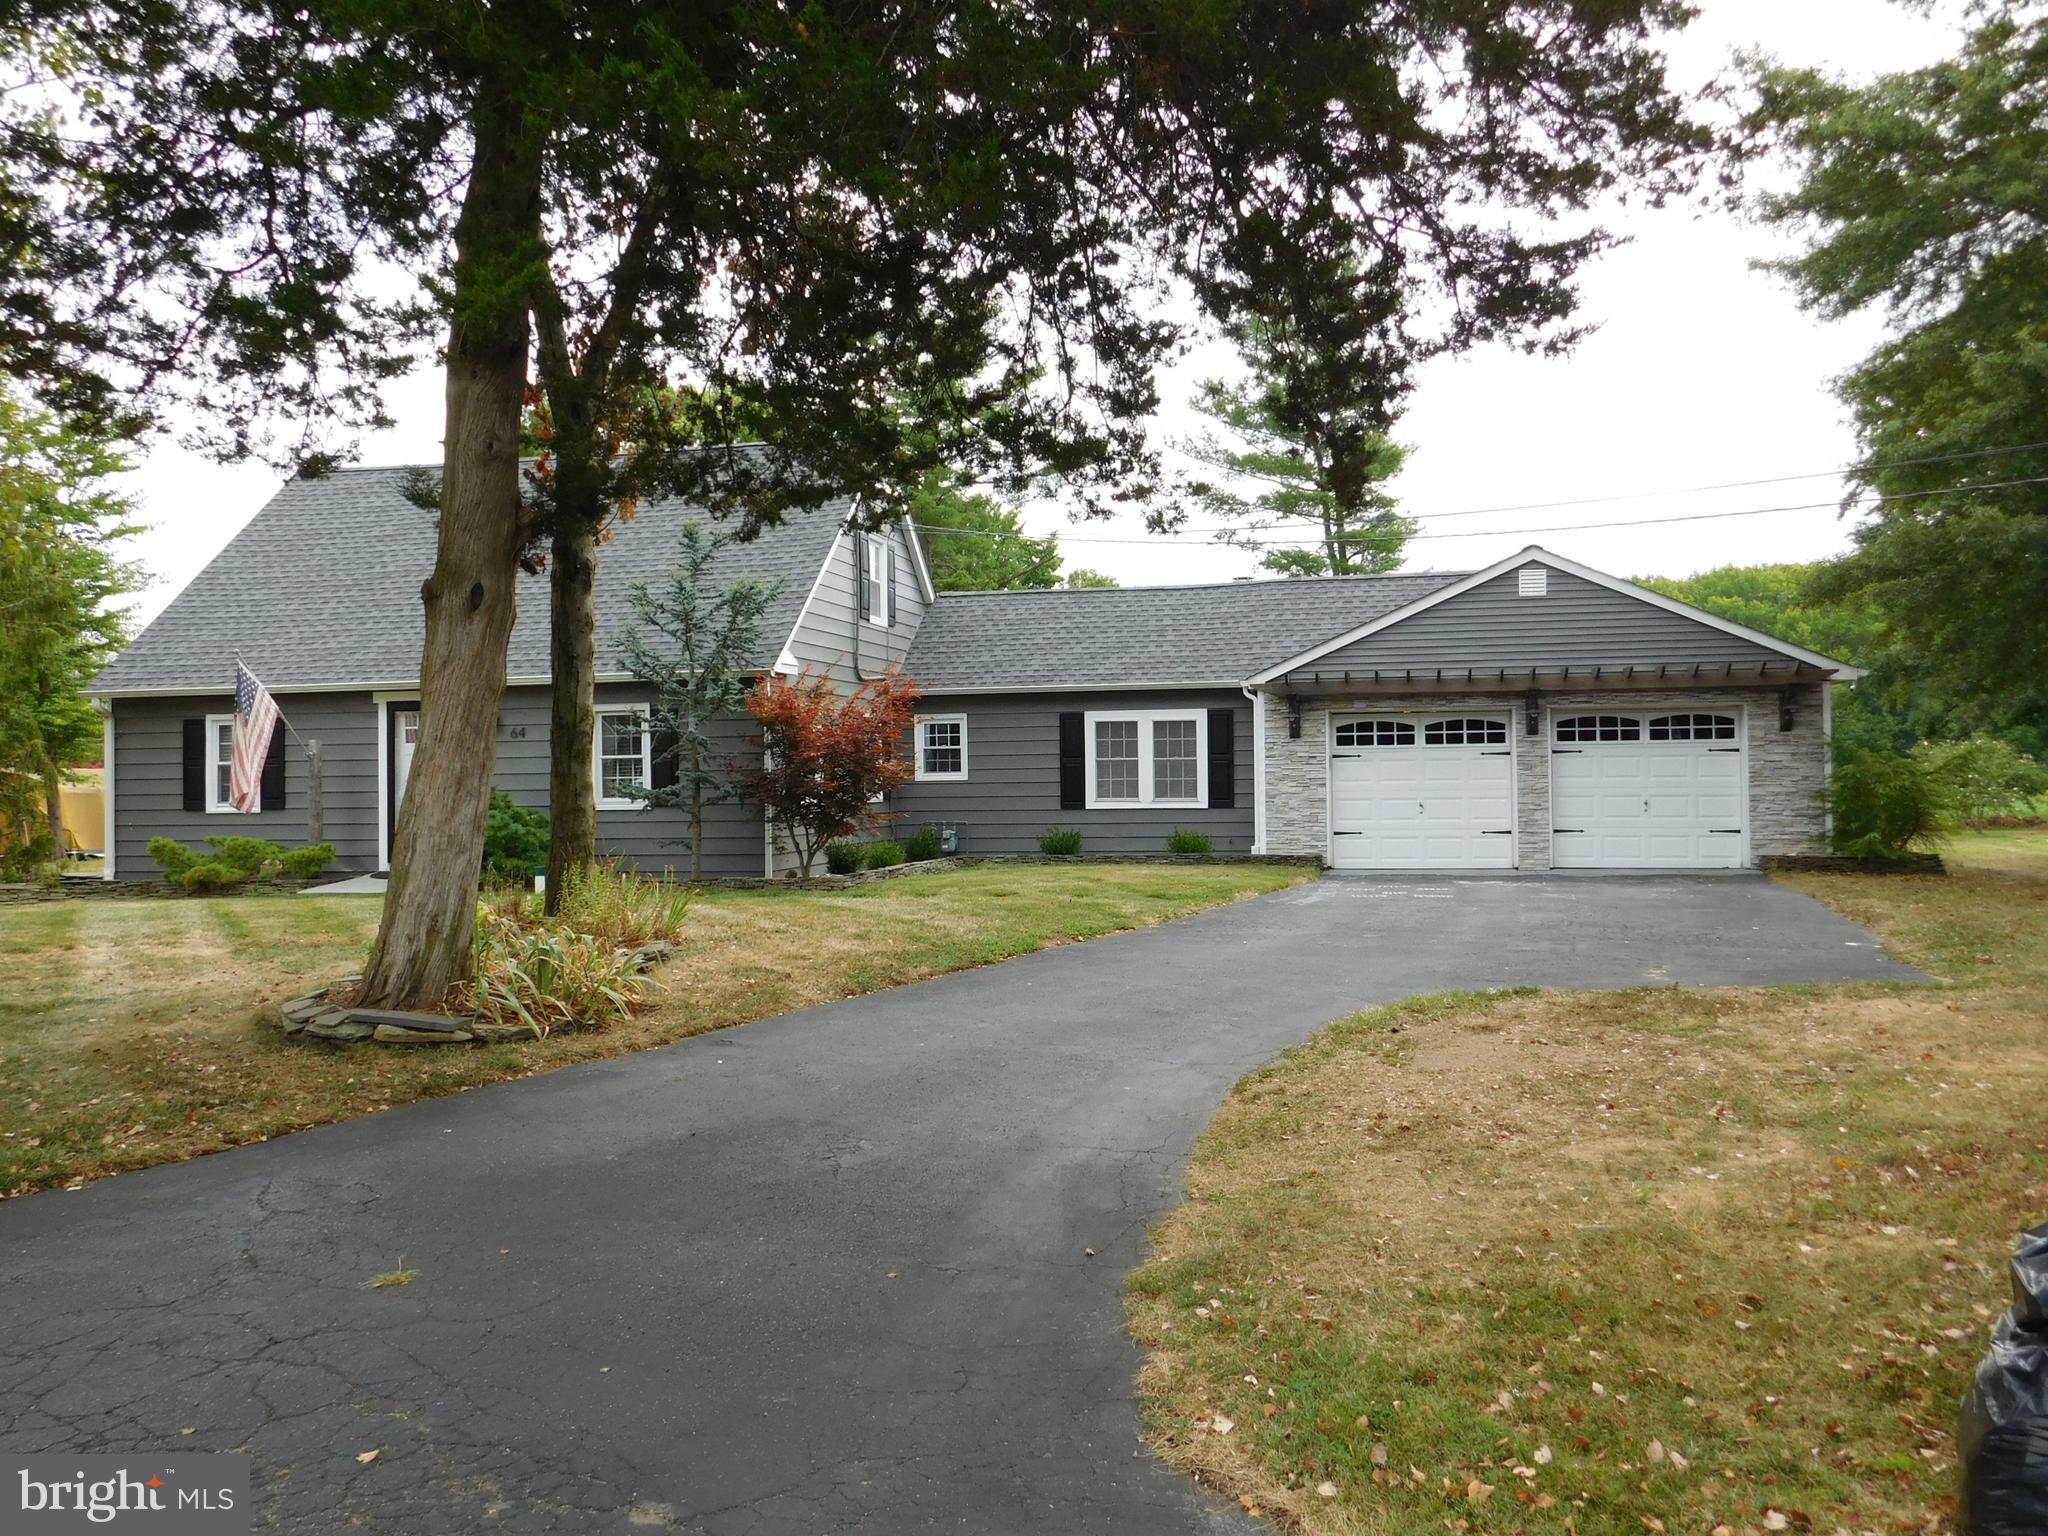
[1535, 580]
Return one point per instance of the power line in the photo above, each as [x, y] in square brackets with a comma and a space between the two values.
[1153, 540]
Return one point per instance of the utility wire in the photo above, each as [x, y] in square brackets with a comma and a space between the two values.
[1153, 541]
[1694, 490]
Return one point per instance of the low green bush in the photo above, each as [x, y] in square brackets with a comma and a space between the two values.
[250, 855]
[1187, 840]
[921, 845]
[844, 857]
[515, 839]
[1060, 842]
[211, 875]
[884, 853]
[171, 856]
[307, 863]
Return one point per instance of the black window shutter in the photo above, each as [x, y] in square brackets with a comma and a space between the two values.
[1073, 763]
[195, 765]
[892, 585]
[1222, 758]
[273, 773]
[666, 767]
[860, 575]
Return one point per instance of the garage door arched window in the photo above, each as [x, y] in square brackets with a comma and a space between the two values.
[1692, 728]
[1600, 728]
[1465, 733]
[1375, 733]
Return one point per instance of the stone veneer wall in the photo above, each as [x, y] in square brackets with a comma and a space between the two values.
[1787, 769]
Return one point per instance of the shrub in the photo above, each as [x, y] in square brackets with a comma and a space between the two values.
[515, 839]
[211, 875]
[306, 863]
[250, 855]
[620, 908]
[883, 853]
[1187, 840]
[921, 845]
[172, 857]
[1984, 777]
[1060, 842]
[844, 857]
[546, 977]
[1886, 805]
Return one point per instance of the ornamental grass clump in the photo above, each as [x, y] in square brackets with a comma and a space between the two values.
[624, 909]
[546, 977]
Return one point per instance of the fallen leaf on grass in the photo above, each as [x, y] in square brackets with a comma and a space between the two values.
[1326, 1490]
[1774, 1520]
[1542, 1456]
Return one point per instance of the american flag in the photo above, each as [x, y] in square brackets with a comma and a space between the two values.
[256, 719]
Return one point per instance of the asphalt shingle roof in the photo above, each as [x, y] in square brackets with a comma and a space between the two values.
[322, 589]
[1095, 637]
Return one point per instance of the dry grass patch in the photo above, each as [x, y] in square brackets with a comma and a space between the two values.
[140, 1032]
[1620, 1262]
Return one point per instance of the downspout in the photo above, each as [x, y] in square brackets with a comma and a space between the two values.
[1258, 698]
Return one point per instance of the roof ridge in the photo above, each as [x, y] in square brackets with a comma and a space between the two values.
[1295, 582]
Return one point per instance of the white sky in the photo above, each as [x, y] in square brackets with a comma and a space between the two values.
[1703, 371]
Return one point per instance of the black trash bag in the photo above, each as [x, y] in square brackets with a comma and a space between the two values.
[2004, 1433]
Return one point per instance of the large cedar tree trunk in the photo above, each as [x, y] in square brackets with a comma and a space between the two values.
[423, 943]
[572, 652]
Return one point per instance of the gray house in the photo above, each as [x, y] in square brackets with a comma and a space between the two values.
[1534, 714]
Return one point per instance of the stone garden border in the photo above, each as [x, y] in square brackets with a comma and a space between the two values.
[313, 1017]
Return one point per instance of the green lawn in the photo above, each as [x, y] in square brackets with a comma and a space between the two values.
[136, 1032]
[1683, 1261]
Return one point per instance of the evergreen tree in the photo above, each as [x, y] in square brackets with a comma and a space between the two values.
[1319, 470]
[60, 525]
[694, 642]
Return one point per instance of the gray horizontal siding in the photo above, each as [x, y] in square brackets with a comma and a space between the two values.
[1576, 623]
[1011, 795]
[653, 838]
[831, 638]
[149, 784]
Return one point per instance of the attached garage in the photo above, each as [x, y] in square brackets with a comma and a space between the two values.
[1649, 790]
[1422, 792]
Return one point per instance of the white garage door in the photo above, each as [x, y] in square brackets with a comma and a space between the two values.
[1662, 791]
[1419, 793]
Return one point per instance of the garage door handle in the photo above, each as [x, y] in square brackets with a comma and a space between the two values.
[1495, 754]
[1562, 751]
[1580, 830]
[1724, 749]
[1504, 832]
[1347, 834]
[1737, 831]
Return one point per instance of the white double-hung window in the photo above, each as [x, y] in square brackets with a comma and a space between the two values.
[220, 762]
[941, 747]
[1146, 757]
[625, 757]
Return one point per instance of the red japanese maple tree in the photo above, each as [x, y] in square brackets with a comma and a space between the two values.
[828, 754]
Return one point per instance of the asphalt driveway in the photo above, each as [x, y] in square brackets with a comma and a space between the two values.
[824, 1272]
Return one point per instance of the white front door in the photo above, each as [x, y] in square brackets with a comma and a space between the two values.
[1648, 791]
[1422, 792]
[405, 740]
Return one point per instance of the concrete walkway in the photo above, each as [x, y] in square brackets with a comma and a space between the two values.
[822, 1273]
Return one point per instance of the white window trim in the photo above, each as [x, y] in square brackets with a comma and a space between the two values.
[597, 755]
[216, 806]
[1146, 719]
[924, 776]
[877, 547]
